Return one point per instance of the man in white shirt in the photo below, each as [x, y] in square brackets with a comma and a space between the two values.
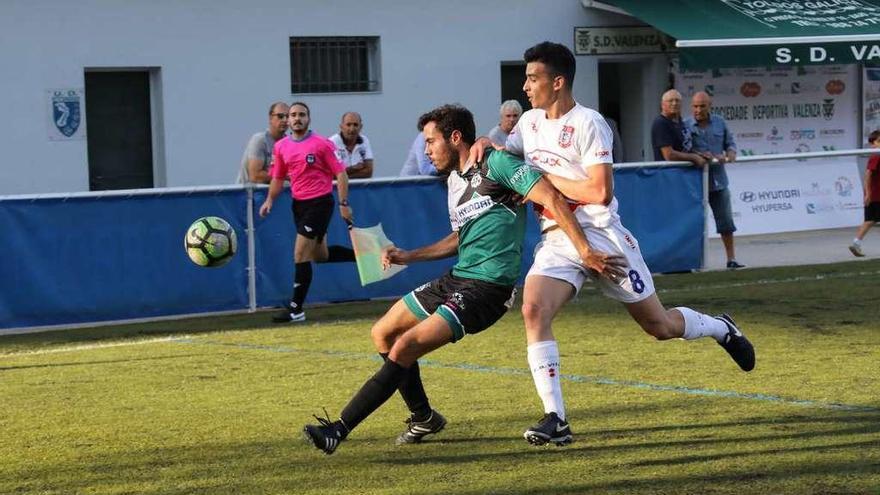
[572, 146]
[353, 148]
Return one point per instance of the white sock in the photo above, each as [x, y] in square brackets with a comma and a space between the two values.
[698, 325]
[544, 362]
[856, 241]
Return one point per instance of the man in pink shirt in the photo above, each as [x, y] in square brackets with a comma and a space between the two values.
[310, 162]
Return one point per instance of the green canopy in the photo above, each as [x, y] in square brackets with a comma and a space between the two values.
[744, 33]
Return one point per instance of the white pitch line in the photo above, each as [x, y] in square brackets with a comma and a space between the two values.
[759, 282]
[89, 347]
[771, 281]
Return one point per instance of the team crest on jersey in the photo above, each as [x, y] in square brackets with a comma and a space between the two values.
[629, 241]
[310, 159]
[476, 180]
[565, 136]
[534, 127]
[458, 299]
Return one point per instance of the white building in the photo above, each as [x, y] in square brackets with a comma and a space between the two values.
[173, 90]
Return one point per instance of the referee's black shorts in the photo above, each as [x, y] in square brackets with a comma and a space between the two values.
[312, 216]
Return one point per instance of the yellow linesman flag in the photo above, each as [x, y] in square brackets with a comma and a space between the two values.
[368, 243]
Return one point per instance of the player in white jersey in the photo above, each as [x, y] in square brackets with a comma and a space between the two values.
[572, 145]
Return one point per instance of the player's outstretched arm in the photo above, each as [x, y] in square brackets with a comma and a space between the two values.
[596, 189]
[444, 248]
[606, 265]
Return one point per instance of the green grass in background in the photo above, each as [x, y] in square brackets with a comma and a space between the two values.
[216, 405]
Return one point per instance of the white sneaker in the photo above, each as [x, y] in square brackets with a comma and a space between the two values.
[856, 250]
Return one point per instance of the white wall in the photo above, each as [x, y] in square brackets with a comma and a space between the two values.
[222, 62]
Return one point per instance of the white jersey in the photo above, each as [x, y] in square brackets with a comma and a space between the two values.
[567, 147]
[362, 150]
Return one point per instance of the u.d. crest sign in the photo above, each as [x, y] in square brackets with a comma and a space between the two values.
[65, 114]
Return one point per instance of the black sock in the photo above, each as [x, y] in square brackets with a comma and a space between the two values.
[339, 254]
[302, 279]
[413, 392]
[378, 389]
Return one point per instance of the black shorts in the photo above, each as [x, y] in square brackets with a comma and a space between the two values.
[872, 212]
[468, 305]
[312, 216]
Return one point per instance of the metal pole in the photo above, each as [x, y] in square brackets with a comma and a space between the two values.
[252, 257]
[705, 217]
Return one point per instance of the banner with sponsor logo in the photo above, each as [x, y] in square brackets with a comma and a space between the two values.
[870, 102]
[775, 197]
[772, 110]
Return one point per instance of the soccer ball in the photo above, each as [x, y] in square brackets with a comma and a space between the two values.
[210, 242]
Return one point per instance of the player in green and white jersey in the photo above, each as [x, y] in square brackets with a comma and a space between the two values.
[488, 227]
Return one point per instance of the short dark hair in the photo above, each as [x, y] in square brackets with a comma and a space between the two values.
[874, 136]
[450, 118]
[558, 59]
[308, 110]
[272, 106]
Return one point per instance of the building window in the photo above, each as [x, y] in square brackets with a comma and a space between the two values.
[334, 64]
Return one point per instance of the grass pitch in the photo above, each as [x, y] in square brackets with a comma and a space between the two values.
[215, 405]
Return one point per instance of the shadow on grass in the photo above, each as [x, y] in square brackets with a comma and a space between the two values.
[93, 363]
[374, 465]
[637, 439]
[804, 478]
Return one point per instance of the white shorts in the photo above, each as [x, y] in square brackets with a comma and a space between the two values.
[556, 257]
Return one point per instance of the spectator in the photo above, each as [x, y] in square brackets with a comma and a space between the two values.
[417, 162]
[667, 133]
[311, 164]
[510, 111]
[616, 143]
[353, 148]
[872, 196]
[257, 159]
[713, 141]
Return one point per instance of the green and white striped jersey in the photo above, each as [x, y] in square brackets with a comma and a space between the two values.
[485, 207]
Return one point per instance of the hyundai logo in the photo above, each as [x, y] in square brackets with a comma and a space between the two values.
[747, 196]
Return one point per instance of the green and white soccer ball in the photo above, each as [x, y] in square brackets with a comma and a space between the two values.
[210, 242]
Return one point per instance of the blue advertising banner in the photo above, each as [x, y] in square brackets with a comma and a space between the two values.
[663, 207]
[90, 259]
[100, 258]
